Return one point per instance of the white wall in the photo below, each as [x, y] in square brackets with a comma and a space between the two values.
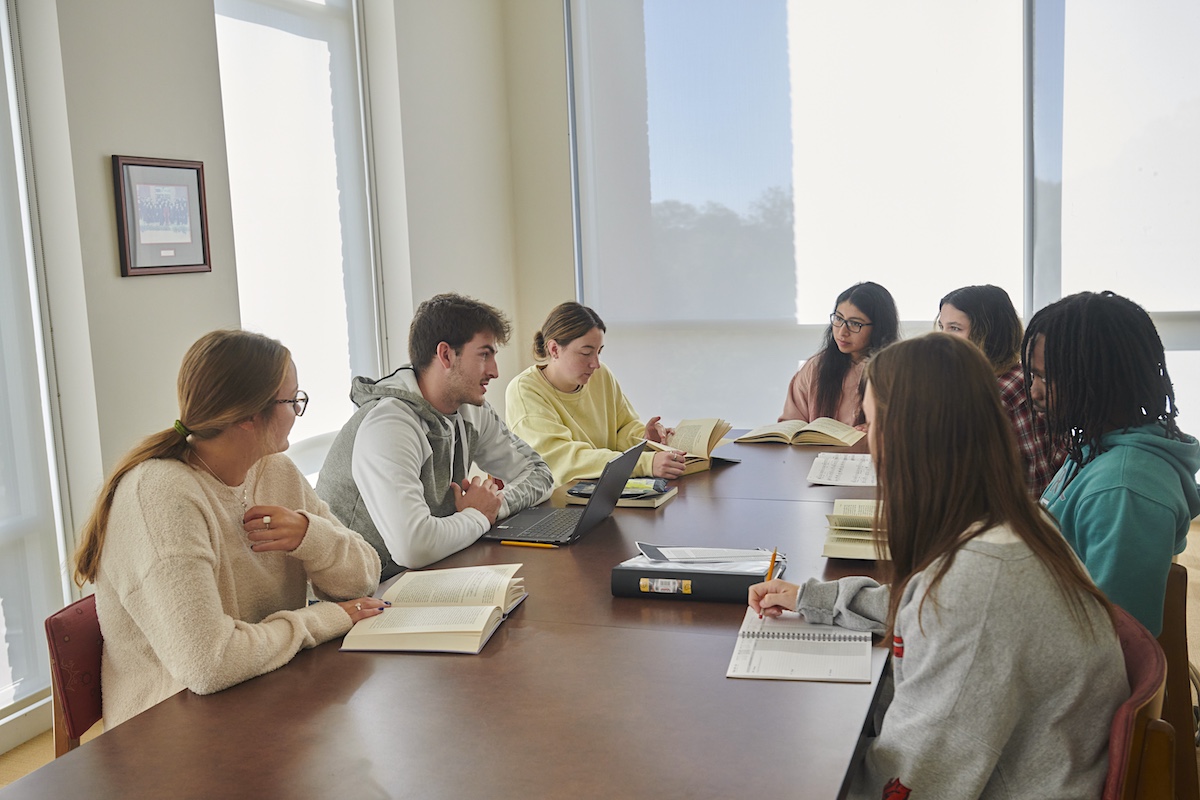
[141, 79]
[469, 114]
[486, 169]
[458, 180]
[541, 166]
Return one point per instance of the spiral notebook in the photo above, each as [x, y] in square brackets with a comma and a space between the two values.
[789, 649]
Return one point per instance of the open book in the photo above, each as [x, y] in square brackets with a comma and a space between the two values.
[822, 430]
[788, 648]
[851, 531]
[696, 438]
[441, 610]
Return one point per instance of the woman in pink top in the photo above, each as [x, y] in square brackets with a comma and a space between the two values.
[864, 319]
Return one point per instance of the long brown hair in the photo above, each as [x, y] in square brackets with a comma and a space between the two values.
[946, 458]
[565, 323]
[226, 377]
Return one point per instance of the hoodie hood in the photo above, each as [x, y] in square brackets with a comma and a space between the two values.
[401, 385]
[1183, 455]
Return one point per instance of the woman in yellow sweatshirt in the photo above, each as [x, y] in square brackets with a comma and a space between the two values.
[570, 408]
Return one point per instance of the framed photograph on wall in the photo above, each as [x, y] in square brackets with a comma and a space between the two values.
[162, 221]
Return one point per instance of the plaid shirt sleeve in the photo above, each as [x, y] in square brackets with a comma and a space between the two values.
[1039, 455]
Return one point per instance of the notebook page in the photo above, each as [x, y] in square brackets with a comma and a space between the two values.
[787, 648]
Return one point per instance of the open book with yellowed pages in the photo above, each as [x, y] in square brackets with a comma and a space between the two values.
[822, 431]
[851, 531]
[696, 438]
[441, 610]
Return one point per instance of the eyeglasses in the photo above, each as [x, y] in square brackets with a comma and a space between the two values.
[837, 321]
[299, 403]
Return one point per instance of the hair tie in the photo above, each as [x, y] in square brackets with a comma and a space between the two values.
[181, 429]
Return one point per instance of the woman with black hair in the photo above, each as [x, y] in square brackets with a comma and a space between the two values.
[864, 320]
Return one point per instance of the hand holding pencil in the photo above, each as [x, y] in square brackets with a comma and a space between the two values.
[771, 597]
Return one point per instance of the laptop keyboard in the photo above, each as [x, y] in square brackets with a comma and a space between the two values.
[558, 526]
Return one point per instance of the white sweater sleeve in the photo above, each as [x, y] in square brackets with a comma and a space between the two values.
[501, 453]
[389, 451]
[339, 562]
[164, 568]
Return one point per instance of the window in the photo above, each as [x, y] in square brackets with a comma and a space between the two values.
[1130, 169]
[743, 163]
[31, 587]
[297, 174]
[1131, 173]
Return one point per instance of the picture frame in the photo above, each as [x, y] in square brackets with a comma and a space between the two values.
[162, 217]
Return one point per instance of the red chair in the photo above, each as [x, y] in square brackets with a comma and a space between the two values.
[1141, 746]
[75, 641]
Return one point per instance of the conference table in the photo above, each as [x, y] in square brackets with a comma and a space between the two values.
[577, 694]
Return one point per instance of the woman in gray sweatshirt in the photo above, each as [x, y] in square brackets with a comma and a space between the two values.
[1007, 669]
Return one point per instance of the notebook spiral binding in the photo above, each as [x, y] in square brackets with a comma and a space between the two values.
[807, 636]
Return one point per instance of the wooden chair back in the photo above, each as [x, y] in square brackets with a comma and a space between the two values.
[1177, 707]
[73, 635]
[1140, 746]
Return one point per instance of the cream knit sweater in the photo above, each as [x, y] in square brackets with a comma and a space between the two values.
[185, 603]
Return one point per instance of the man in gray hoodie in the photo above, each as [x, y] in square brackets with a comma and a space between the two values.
[397, 471]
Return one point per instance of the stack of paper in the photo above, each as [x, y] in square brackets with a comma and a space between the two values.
[842, 469]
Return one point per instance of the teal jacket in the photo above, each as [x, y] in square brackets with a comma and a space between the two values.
[1127, 512]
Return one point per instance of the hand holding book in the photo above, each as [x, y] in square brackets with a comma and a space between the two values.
[695, 440]
[441, 610]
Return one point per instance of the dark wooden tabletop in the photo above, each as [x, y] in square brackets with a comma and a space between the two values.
[578, 694]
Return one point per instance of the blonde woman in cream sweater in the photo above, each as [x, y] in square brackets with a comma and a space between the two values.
[570, 408]
[204, 539]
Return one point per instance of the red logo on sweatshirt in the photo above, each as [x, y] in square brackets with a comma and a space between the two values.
[898, 648]
[895, 790]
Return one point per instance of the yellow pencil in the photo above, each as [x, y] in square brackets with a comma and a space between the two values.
[770, 572]
[529, 544]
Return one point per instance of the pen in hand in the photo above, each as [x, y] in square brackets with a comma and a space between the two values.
[770, 572]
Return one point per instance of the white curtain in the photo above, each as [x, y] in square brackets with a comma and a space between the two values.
[31, 584]
[297, 180]
[743, 163]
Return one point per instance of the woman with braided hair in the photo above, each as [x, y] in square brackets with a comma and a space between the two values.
[1127, 493]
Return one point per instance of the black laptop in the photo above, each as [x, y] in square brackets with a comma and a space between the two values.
[565, 525]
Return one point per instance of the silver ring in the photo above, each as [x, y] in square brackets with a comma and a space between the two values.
[267, 521]
[358, 606]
